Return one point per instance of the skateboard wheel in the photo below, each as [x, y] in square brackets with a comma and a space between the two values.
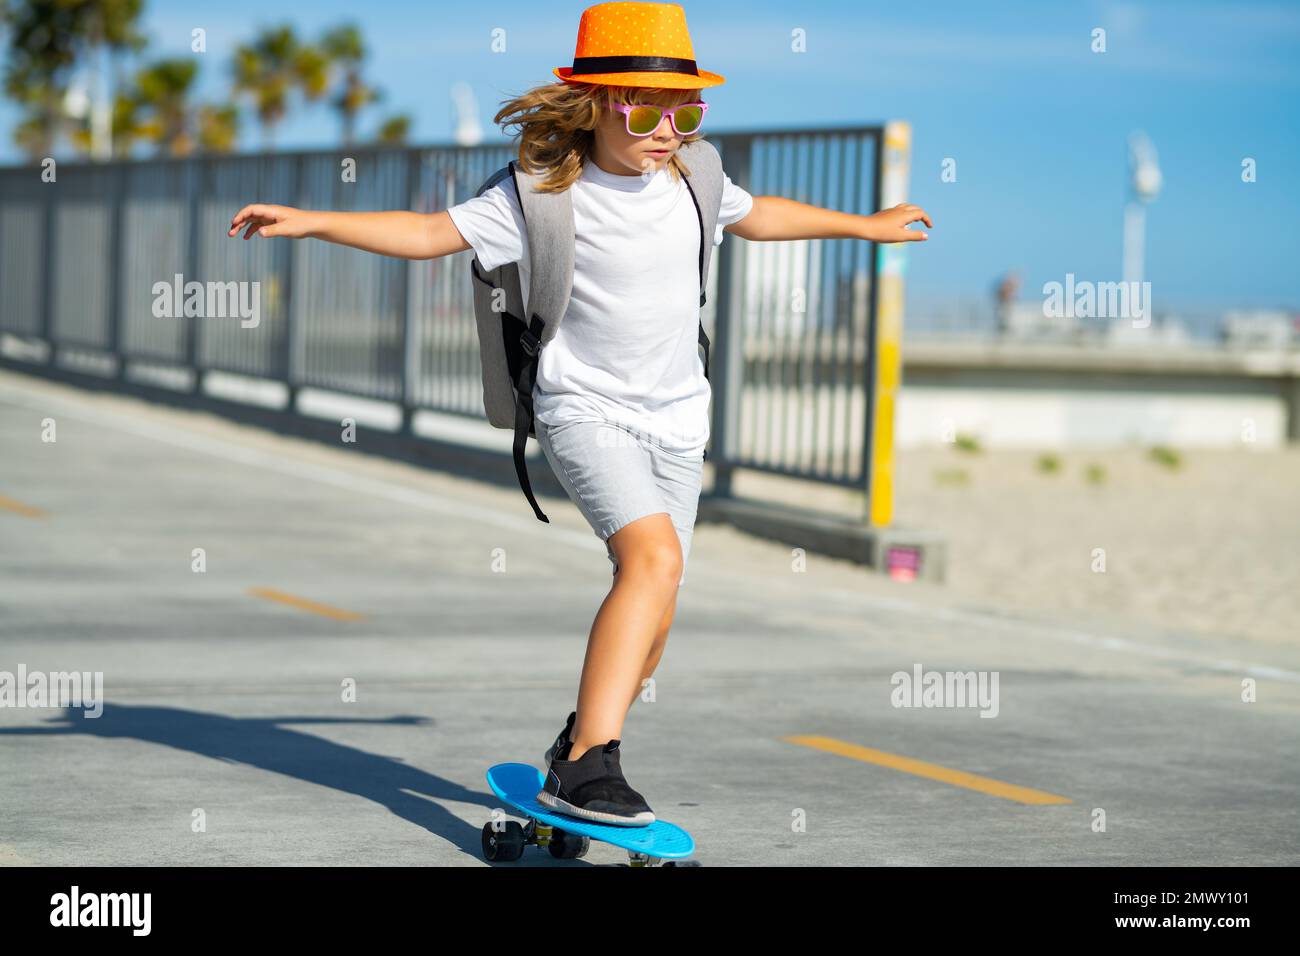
[568, 846]
[504, 845]
[682, 863]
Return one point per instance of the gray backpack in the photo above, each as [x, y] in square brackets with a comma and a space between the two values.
[509, 345]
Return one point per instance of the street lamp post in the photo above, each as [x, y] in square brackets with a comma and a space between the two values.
[1144, 184]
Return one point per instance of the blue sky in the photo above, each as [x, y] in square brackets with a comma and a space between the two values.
[1036, 121]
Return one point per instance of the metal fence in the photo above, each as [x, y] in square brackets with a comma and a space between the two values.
[792, 323]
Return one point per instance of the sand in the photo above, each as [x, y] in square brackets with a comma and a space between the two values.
[1211, 546]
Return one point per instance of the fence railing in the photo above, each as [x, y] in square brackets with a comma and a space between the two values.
[86, 258]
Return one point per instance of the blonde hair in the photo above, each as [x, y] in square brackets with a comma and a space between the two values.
[557, 124]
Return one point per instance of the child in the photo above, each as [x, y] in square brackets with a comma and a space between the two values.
[621, 401]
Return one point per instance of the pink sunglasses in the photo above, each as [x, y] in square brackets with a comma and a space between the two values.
[642, 120]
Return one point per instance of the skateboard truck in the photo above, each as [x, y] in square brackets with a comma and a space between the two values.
[567, 837]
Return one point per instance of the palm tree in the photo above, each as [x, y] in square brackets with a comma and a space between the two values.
[272, 67]
[394, 130]
[130, 125]
[48, 39]
[343, 45]
[41, 55]
[218, 127]
[163, 88]
[110, 28]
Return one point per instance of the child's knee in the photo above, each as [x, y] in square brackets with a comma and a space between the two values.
[650, 556]
[660, 564]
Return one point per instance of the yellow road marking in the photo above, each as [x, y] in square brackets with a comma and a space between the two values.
[324, 610]
[27, 511]
[932, 771]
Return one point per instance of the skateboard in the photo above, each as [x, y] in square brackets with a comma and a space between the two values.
[657, 844]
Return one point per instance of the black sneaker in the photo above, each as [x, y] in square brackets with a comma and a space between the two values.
[560, 741]
[592, 788]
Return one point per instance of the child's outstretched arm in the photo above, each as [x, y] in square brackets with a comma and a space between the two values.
[775, 217]
[406, 235]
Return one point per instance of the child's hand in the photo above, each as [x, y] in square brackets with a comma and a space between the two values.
[267, 220]
[890, 225]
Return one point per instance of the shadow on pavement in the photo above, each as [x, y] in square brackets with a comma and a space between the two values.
[265, 743]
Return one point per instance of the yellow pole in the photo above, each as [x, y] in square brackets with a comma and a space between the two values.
[891, 258]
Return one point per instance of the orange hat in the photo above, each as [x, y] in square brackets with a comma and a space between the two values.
[636, 44]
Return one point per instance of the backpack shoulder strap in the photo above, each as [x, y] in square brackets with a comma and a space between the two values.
[506, 277]
[548, 217]
[705, 184]
[496, 177]
[548, 220]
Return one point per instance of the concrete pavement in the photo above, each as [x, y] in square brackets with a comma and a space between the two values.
[225, 704]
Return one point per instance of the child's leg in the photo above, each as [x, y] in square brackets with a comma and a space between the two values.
[626, 628]
[656, 650]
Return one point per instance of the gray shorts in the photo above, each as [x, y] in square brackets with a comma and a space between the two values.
[615, 476]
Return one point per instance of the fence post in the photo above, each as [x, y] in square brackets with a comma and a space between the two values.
[893, 155]
[290, 344]
[45, 328]
[193, 323]
[409, 339]
[117, 242]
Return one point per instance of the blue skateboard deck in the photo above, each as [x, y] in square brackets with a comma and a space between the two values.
[518, 783]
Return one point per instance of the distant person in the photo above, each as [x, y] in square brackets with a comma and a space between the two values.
[1004, 294]
[624, 360]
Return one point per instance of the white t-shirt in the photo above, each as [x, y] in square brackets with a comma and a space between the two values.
[626, 349]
